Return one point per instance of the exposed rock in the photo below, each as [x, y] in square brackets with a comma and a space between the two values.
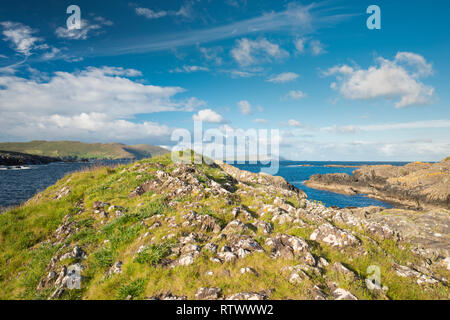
[417, 185]
[99, 205]
[317, 293]
[235, 226]
[247, 296]
[64, 191]
[290, 247]
[263, 226]
[228, 217]
[421, 279]
[340, 269]
[342, 294]
[212, 247]
[116, 268]
[334, 236]
[249, 270]
[208, 293]
[167, 296]
[227, 256]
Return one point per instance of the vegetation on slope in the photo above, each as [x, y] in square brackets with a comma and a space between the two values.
[145, 233]
[80, 150]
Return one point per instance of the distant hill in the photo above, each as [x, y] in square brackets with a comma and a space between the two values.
[80, 150]
[9, 158]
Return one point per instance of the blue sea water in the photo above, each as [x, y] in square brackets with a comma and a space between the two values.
[18, 185]
[295, 172]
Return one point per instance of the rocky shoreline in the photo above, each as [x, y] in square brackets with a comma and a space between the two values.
[10, 158]
[415, 185]
[225, 233]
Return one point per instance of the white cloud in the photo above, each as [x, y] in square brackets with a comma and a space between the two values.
[442, 123]
[245, 107]
[247, 52]
[263, 121]
[317, 47]
[208, 115]
[241, 74]
[295, 147]
[300, 45]
[51, 54]
[95, 102]
[389, 80]
[283, 77]
[312, 46]
[104, 89]
[189, 69]
[21, 37]
[212, 54]
[85, 31]
[416, 61]
[295, 123]
[185, 11]
[295, 95]
[150, 14]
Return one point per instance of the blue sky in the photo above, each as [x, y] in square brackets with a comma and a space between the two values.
[136, 71]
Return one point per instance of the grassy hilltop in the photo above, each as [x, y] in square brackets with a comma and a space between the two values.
[80, 150]
[153, 229]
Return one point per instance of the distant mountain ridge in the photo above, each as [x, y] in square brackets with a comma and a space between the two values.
[81, 150]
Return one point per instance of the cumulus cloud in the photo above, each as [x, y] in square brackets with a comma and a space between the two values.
[294, 95]
[208, 115]
[95, 102]
[248, 52]
[283, 77]
[87, 28]
[245, 107]
[390, 79]
[21, 37]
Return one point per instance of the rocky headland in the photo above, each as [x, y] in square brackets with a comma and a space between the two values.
[9, 158]
[415, 185]
[159, 230]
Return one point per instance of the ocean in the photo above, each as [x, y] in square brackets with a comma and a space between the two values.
[296, 172]
[18, 185]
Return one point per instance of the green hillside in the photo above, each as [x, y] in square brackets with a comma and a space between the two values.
[155, 229]
[80, 150]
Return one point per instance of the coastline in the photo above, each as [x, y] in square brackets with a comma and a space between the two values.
[156, 215]
[415, 185]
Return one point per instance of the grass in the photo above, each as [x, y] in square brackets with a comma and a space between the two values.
[25, 253]
[153, 254]
[134, 289]
[80, 150]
